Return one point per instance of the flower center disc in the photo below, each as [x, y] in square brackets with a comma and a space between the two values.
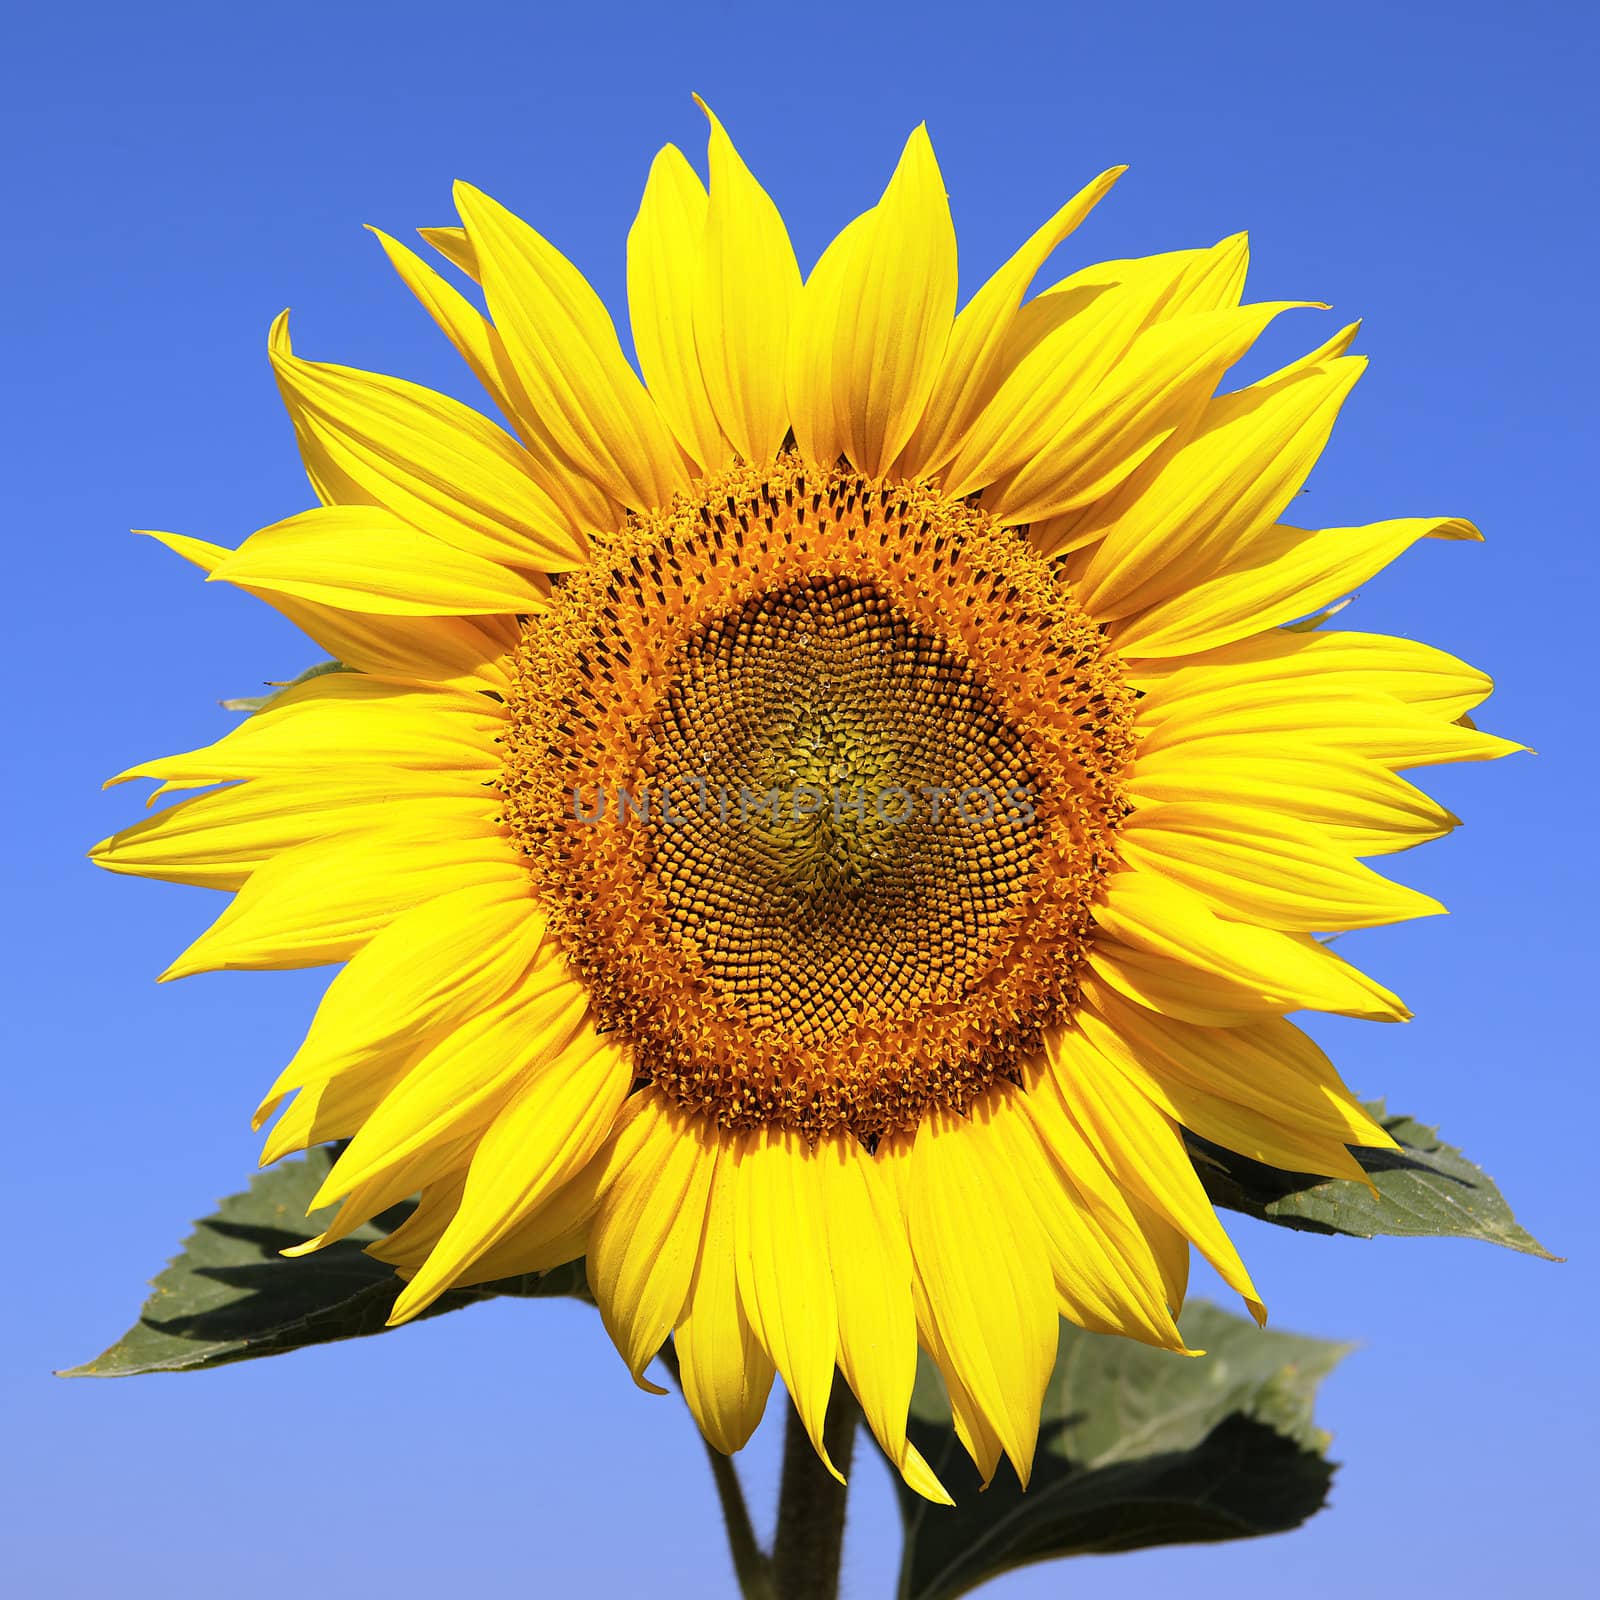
[860, 822]
[818, 779]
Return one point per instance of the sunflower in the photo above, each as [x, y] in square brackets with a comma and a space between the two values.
[809, 830]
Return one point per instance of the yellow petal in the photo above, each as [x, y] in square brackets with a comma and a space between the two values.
[218, 839]
[476, 339]
[427, 971]
[409, 1245]
[456, 247]
[1083, 450]
[1269, 871]
[819, 429]
[887, 321]
[451, 652]
[1235, 1126]
[1248, 970]
[456, 1087]
[1359, 663]
[566, 353]
[1143, 1148]
[871, 1266]
[973, 1428]
[430, 460]
[748, 288]
[321, 902]
[1058, 350]
[1106, 1275]
[1268, 1065]
[987, 1276]
[1270, 575]
[1171, 1248]
[542, 1138]
[332, 1110]
[555, 1233]
[977, 1435]
[455, 652]
[978, 337]
[362, 558]
[343, 720]
[584, 504]
[785, 1285]
[665, 249]
[726, 1375]
[1354, 804]
[439, 1162]
[1212, 278]
[1222, 486]
[646, 1237]
[1293, 718]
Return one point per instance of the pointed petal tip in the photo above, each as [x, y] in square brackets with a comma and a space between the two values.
[716, 122]
[921, 1479]
[411, 1303]
[466, 196]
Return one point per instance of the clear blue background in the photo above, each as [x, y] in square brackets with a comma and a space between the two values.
[178, 175]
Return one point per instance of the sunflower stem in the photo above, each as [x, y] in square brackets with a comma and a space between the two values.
[811, 1505]
[751, 1565]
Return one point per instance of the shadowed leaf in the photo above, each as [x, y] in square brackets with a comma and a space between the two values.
[230, 1295]
[1426, 1188]
[1137, 1447]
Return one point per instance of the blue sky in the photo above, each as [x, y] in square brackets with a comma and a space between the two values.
[180, 174]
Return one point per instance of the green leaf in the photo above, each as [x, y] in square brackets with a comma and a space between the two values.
[1425, 1188]
[1137, 1447]
[230, 1295]
[257, 702]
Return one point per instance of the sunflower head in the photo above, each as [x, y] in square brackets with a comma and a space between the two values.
[810, 822]
[819, 778]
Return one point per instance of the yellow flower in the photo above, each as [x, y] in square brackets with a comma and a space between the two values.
[808, 830]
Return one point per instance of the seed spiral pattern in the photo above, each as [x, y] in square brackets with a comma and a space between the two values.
[818, 779]
[861, 824]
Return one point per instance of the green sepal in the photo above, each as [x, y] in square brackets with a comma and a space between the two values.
[259, 702]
